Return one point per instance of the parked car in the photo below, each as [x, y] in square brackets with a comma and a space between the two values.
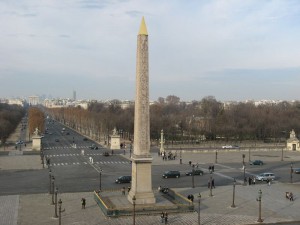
[226, 146]
[265, 176]
[20, 142]
[297, 170]
[171, 174]
[123, 179]
[93, 147]
[196, 172]
[257, 162]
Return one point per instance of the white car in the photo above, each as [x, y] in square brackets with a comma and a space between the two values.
[265, 176]
[227, 146]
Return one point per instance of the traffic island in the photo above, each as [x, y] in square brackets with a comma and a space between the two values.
[115, 203]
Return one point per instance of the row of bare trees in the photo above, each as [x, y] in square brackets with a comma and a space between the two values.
[10, 117]
[206, 119]
[36, 119]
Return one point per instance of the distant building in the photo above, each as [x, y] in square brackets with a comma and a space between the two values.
[33, 100]
[16, 102]
[293, 142]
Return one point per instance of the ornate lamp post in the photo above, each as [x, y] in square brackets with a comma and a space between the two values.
[233, 194]
[292, 172]
[199, 198]
[244, 168]
[55, 208]
[50, 176]
[52, 182]
[60, 211]
[259, 206]
[193, 176]
[133, 201]
[100, 182]
[210, 187]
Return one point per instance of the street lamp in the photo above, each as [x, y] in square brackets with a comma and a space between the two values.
[133, 201]
[216, 157]
[55, 209]
[210, 187]
[233, 193]
[281, 154]
[130, 150]
[100, 184]
[180, 154]
[249, 154]
[193, 176]
[52, 182]
[259, 206]
[244, 168]
[199, 198]
[291, 172]
[50, 176]
[60, 211]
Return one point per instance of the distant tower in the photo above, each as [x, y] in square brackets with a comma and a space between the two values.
[74, 95]
[141, 184]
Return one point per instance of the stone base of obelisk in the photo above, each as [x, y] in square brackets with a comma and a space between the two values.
[141, 183]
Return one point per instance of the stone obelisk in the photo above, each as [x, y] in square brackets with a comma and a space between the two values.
[141, 184]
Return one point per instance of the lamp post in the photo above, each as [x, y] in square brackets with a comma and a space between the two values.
[193, 176]
[180, 156]
[249, 154]
[216, 161]
[259, 206]
[52, 191]
[60, 211]
[281, 154]
[100, 182]
[130, 149]
[50, 176]
[233, 194]
[55, 208]
[210, 186]
[199, 198]
[133, 201]
[244, 168]
[291, 172]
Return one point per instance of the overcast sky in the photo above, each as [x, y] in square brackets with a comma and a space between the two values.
[230, 49]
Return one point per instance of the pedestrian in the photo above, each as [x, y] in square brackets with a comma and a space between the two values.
[83, 202]
[123, 190]
[213, 168]
[159, 188]
[162, 216]
[192, 198]
[190, 163]
[166, 217]
[269, 182]
[213, 183]
[253, 180]
[249, 180]
[128, 188]
[197, 165]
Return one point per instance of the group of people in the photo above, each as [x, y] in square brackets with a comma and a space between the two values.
[289, 195]
[163, 189]
[164, 217]
[191, 197]
[251, 180]
[169, 156]
[211, 168]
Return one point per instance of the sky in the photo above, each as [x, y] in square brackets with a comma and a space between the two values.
[231, 49]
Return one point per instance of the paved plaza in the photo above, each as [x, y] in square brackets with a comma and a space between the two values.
[37, 208]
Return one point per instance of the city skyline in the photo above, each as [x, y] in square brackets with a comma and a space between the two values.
[233, 50]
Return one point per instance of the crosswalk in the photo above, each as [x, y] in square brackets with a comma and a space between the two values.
[69, 147]
[85, 163]
[73, 154]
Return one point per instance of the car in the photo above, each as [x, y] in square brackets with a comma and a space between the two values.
[227, 146]
[106, 154]
[257, 162]
[265, 176]
[93, 147]
[85, 139]
[196, 172]
[171, 174]
[56, 140]
[297, 170]
[20, 142]
[123, 179]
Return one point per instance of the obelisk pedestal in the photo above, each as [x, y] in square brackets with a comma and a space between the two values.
[141, 183]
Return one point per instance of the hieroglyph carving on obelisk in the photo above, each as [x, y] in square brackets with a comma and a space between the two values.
[141, 184]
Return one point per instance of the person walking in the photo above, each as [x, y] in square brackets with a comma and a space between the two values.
[253, 180]
[192, 198]
[166, 217]
[162, 216]
[83, 202]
